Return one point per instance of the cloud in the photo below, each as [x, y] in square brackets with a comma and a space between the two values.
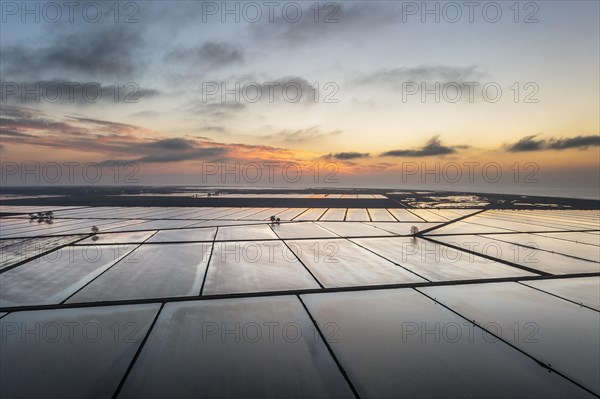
[432, 73]
[62, 91]
[29, 127]
[527, 143]
[530, 143]
[110, 50]
[432, 147]
[200, 153]
[581, 142]
[217, 129]
[178, 156]
[216, 111]
[310, 134]
[380, 166]
[146, 114]
[336, 19]
[219, 100]
[13, 133]
[213, 54]
[22, 124]
[119, 142]
[290, 89]
[19, 112]
[236, 92]
[172, 144]
[110, 126]
[343, 156]
[455, 83]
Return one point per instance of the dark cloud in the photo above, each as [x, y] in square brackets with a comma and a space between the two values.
[196, 154]
[172, 144]
[335, 19]
[200, 153]
[213, 54]
[530, 143]
[225, 99]
[527, 144]
[433, 147]
[104, 50]
[143, 93]
[62, 91]
[13, 133]
[581, 142]
[11, 111]
[290, 89]
[343, 156]
[25, 122]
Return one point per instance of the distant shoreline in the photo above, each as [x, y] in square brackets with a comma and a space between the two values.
[163, 197]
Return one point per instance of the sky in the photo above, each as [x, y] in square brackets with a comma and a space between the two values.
[480, 96]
